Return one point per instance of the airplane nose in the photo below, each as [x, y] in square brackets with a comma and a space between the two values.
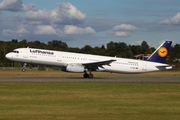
[7, 56]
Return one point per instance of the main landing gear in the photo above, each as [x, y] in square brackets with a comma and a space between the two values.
[86, 75]
[24, 67]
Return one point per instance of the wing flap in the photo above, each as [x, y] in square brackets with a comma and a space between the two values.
[94, 65]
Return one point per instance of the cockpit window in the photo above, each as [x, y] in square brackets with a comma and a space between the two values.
[15, 51]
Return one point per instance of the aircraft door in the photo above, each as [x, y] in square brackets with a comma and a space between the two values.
[25, 53]
[144, 66]
[59, 58]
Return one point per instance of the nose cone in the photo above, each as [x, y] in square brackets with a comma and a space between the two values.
[8, 56]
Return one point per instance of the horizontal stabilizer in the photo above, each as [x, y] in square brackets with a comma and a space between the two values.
[164, 67]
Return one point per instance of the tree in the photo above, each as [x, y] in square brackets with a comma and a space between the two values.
[99, 50]
[57, 45]
[23, 43]
[136, 49]
[37, 44]
[119, 49]
[77, 50]
[111, 49]
[175, 52]
[87, 49]
[123, 50]
[145, 49]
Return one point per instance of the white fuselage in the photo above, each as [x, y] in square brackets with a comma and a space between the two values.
[62, 59]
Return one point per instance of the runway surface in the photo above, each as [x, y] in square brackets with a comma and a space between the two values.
[97, 79]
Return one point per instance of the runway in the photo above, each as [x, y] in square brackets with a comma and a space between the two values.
[152, 79]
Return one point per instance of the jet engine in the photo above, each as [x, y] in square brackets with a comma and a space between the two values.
[74, 68]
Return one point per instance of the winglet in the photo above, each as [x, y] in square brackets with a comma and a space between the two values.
[161, 53]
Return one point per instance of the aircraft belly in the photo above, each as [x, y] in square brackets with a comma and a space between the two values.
[47, 62]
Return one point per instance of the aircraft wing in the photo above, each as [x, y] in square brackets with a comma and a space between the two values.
[94, 65]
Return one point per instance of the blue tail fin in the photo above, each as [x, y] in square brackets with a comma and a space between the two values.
[160, 54]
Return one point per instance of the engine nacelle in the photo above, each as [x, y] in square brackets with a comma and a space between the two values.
[75, 68]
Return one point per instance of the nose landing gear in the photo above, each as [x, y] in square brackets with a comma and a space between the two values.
[24, 67]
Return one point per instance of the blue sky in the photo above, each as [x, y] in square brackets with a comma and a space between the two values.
[91, 22]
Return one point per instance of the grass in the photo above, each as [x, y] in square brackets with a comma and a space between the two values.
[131, 101]
[90, 101]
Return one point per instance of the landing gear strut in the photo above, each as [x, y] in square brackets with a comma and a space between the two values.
[86, 75]
[24, 67]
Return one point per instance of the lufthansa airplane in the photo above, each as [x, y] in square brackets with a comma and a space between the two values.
[86, 63]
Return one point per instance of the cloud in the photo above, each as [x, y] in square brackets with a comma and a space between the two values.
[122, 30]
[71, 29]
[8, 32]
[64, 13]
[21, 30]
[57, 21]
[173, 20]
[165, 22]
[62, 22]
[137, 42]
[37, 15]
[45, 29]
[15, 5]
[176, 19]
[68, 29]
[121, 34]
[124, 27]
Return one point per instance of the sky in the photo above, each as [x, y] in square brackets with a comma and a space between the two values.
[91, 22]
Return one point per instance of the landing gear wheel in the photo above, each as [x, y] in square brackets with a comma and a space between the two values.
[24, 66]
[90, 76]
[23, 70]
[86, 75]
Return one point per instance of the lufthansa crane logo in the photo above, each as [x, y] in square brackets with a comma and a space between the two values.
[162, 52]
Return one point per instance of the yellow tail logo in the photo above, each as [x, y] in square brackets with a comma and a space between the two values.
[162, 52]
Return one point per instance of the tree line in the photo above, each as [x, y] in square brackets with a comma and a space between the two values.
[118, 49]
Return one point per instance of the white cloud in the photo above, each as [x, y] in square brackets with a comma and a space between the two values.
[38, 15]
[121, 34]
[137, 42]
[176, 19]
[124, 27]
[71, 29]
[59, 21]
[122, 30]
[44, 29]
[165, 22]
[15, 5]
[67, 10]
[173, 20]
[21, 30]
[63, 13]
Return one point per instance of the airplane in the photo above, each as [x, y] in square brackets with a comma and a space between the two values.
[87, 63]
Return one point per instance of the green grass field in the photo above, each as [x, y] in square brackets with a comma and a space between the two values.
[50, 101]
[90, 101]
